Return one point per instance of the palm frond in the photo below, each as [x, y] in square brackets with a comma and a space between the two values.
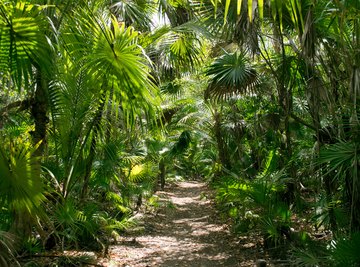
[230, 74]
[23, 43]
[346, 251]
[134, 13]
[177, 50]
[73, 105]
[142, 173]
[20, 183]
[315, 256]
[7, 250]
[112, 56]
[341, 157]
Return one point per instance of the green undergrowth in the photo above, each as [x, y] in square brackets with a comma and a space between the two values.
[294, 235]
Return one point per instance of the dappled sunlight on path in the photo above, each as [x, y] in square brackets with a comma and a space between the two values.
[184, 232]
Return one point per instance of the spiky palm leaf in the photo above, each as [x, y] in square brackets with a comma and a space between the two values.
[23, 43]
[7, 250]
[230, 74]
[346, 252]
[175, 50]
[113, 58]
[21, 187]
[342, 158]
[134, 13]
[315, 255]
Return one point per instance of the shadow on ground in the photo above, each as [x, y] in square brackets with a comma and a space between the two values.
[184, 232]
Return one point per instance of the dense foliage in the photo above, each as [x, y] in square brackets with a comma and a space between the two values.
[101, 100]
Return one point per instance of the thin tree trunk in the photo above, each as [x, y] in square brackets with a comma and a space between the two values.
[285, 102]
[23, 220]
[39, 109]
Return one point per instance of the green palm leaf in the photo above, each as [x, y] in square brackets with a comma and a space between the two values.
[23, 42]
[176, 50]
[346, 251]
[342, 156]
[113, 59]
[135, 13]
[21, 188]
[230, 74]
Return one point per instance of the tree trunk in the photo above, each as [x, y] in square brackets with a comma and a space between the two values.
[24, 220]
[39, 109]
[285, 102]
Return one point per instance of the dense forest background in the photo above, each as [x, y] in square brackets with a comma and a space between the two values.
[101, 101]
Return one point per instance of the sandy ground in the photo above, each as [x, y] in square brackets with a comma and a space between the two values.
[184, 231]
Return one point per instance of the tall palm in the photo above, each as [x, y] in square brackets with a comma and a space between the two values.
[230, 75]
[113, 69]
[94, 64]
[26, 66]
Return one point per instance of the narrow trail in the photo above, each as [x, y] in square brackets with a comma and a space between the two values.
[185, 231]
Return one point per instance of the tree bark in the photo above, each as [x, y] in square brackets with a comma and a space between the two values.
[39, 109]
[23, 219]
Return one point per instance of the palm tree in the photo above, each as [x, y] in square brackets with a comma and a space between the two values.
[230, 75]
[110, 54]
[97, 69]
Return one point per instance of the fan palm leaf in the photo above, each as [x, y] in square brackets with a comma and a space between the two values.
[21, 188]
[342, 157]
[346, 252]
[23, 43]
[114, 60]
[343, 160]
[176, 50]
[230, 74]
[135, 13]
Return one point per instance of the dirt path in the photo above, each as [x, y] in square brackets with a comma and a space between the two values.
[185, 231]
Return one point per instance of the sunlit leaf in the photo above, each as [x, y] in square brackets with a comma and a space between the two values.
[239, 3]
[261, 9]
[250, 10]
[227, 5]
